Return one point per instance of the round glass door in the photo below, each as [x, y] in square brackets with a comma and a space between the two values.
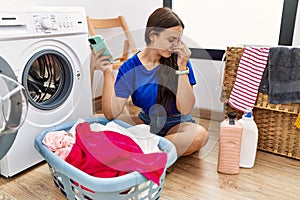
[48, 79]
[13, 107]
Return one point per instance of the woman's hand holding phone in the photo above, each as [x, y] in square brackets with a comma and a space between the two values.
[101, 57]
[98, 43]
[100, 62]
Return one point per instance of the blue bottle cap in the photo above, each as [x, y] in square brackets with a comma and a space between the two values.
[248, 114]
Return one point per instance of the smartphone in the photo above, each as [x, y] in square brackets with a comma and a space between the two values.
[98, 43]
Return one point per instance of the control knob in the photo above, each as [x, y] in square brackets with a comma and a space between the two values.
[46, 23]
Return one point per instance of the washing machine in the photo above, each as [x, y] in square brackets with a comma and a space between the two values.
[47, 51]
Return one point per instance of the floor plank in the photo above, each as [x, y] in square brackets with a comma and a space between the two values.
[196, 176]
[34, 184]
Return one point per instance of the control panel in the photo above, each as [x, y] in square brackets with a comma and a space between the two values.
[46, 23]
[41, 21]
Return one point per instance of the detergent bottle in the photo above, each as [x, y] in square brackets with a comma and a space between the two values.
[230, 145]
[249, 140]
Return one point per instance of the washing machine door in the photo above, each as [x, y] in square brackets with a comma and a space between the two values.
[13, 107]
[48, 79]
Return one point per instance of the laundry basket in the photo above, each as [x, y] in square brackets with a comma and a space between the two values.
[76, 184]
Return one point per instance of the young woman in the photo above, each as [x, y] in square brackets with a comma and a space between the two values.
[160, 80]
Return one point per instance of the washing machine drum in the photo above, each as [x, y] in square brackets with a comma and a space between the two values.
[13, 107]
[48, 79]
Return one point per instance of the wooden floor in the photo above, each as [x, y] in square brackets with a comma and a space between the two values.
[194, 177]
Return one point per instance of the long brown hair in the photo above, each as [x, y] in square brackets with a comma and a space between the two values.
[159, 20]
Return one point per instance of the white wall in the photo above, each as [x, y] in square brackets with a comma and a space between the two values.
[134, 11]
[296, 39]
[209, 84]
[207, 72]
[216, 24]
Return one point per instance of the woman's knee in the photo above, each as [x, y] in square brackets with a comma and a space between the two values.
[188, 138]
[200, 136]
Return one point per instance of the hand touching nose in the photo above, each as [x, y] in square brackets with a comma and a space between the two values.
[184, 54]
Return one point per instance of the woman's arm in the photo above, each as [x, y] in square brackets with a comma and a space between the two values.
[185, 98]
[112, 106]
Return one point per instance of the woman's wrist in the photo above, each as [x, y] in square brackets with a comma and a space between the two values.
[182, 71]
[182, 64]
[182, 67]
[108, 69]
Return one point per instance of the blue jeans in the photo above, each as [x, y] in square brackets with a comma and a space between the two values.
[160, 125]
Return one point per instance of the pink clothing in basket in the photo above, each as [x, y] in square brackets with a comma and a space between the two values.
[59, 142]
[109, 154]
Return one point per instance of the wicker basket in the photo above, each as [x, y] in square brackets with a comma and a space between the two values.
[275, 122]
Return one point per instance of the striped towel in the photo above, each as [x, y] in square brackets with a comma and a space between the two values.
[249, 74]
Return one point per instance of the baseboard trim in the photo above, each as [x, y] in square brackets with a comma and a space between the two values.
[208, 114]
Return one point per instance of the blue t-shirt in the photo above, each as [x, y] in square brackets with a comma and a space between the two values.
[134, 80]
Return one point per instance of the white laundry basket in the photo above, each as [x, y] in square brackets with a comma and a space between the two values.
[76, 184]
